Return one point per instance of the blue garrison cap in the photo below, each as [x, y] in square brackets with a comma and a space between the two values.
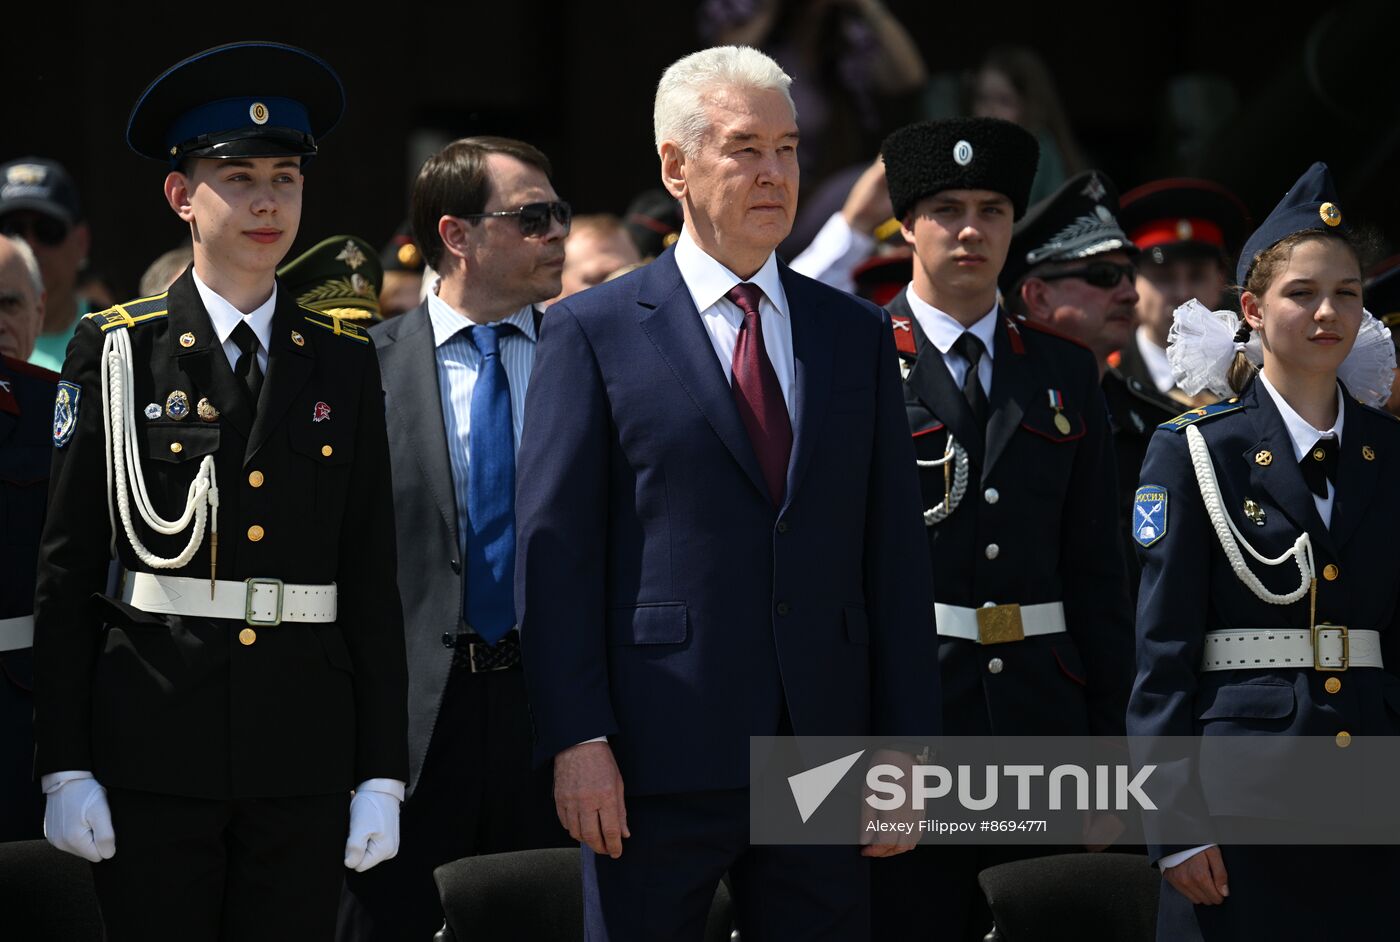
[1311, 203]
[248, 99]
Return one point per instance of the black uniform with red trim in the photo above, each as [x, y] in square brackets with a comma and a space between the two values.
[1038, 524]
[26, 445]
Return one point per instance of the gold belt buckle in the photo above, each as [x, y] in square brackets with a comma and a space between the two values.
[998, 624]
[1317, 654]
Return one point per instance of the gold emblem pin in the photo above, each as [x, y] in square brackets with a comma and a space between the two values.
[1330, 213]
[1062, 423]
[1264, 458]
[1368, 452]
[206, 411]
[351, 255]
[177, 405]
[298, 339]
[187, 339]
[408, 254]
[1254, 513]
[1319, 454]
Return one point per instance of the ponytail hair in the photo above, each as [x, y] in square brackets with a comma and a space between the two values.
[1241, 370]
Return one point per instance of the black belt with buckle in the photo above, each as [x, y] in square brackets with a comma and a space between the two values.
[474, 654]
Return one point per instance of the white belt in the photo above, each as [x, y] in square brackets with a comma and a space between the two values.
[16, 633]
[995, 624]
[1324, 648]
[255, 601]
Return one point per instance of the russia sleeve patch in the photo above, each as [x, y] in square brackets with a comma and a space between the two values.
[65, 412]
[1149, 514]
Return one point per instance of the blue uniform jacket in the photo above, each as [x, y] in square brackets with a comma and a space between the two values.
[1189, 588]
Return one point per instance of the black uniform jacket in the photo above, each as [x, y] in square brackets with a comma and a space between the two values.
[1038, 524]
[178, 705]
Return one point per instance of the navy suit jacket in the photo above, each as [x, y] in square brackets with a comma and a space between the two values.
[664, 601]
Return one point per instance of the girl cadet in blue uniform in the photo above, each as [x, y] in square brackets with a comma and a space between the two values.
[1259, 518]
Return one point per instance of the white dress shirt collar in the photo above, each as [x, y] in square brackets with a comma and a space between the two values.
[447, 322]
[225, 317]
[1300, 431]
[1159, 368]
[708, 281]
[942, 330]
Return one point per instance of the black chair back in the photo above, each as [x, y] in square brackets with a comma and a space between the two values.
[1074, 897]
[46, 894]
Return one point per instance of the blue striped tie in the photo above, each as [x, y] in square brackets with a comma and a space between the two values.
[489, 605]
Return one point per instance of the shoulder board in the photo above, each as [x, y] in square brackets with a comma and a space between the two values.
[903, 335]
[1205, 412]
[341, 328]
[1028, 324]
[1384, 413]
[131, 313]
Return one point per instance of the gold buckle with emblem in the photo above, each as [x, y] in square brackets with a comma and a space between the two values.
[1317, 654]
[250, 585]
[998, 624]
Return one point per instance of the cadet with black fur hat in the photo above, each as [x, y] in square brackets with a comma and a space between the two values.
[200, 734]
[1018, 482]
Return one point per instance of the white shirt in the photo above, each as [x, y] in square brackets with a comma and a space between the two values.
[1304, 437]
[943, 330]
[226, 317]
[708, 282]
[836, 252]
[1155, 359]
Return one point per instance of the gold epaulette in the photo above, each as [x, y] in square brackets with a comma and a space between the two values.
[1197, 415]
[131, 313]
[336, 325]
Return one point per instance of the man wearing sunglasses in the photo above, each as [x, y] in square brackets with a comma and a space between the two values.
[39, 203]
[1073, 268]
[455, 372]
[1032, 534]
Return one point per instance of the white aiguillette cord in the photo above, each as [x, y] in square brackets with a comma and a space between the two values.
[1231, 539]
[119, 430]
[954, 465]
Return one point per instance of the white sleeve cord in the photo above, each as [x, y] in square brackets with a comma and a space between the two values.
[124, 475]
[954, 465]
[1231, 539]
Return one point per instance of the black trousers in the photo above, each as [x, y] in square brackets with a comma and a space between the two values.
[477, 794]
[21, 800]
[194, 868]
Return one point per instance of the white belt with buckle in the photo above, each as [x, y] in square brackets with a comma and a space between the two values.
[1324, 648]
[997, 624]
[255, 601]
[16, 633]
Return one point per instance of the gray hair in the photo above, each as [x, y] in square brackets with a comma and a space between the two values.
[163, 271]
[31, 264]
[679, 113]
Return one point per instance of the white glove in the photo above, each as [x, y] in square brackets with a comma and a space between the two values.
[76, 817]
[374, 823]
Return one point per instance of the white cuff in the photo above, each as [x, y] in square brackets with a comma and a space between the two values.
[833, 255]
[56, 780]
[1181, 856]
[594, 739]
[385, 786]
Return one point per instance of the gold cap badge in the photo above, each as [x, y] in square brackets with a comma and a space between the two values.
[1331, 214]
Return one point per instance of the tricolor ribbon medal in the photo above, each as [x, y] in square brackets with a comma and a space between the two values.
[321, 412]
[1057, 402]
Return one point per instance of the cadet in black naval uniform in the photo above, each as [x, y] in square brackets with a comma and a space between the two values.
[1032, 611]
[199, 737]
[26, 447]
[1297, 454]
[1070, 268]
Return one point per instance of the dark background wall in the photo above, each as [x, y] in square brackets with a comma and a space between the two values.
[577, 79]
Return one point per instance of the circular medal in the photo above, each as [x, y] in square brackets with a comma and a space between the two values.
[1062, 423]
[206, 411]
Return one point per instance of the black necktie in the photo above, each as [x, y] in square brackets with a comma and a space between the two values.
[970, 349]
[247, 369]
[1319, 466]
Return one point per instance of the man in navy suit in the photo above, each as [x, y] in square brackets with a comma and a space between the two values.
[718, 537]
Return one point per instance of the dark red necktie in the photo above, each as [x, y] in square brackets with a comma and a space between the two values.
[758, 395]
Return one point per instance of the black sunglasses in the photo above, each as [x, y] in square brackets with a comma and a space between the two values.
[534, 217]
[45, 230]
[1098, 274]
